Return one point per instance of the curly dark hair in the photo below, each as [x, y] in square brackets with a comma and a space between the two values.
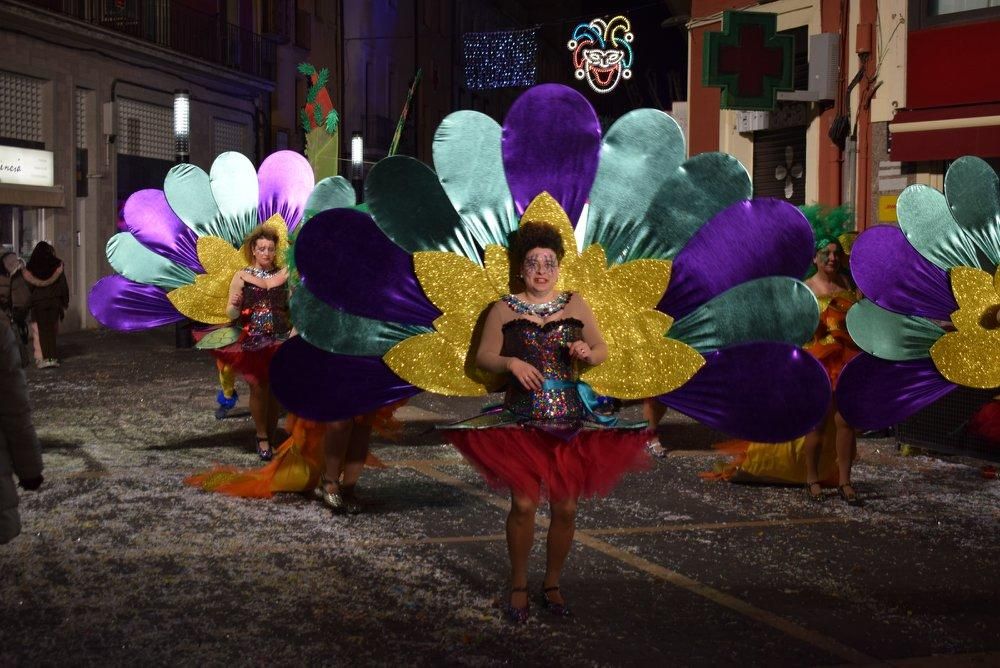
[262, 231]
[535, 235]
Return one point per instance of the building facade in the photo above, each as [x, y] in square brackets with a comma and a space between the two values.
[87, 95]
[925, 91]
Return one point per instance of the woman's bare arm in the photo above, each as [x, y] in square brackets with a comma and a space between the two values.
[235, 296]
[591, 332]
[488, 356]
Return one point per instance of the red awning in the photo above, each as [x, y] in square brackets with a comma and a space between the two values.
[945, 133]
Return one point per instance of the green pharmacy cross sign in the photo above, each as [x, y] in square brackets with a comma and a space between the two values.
[748, 60]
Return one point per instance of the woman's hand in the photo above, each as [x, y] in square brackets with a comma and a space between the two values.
[530, 378]
[580, 350]
[235, 301]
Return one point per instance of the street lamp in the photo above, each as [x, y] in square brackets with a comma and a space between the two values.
[183, 336]
[182, 125]
[357, 162]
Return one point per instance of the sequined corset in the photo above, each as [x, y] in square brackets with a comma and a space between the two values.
[264, 316]
[546, 347]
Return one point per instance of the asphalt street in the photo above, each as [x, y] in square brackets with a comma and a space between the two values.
[120, 563]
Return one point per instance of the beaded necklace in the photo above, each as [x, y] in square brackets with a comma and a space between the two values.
[260, 273]
[544, 310]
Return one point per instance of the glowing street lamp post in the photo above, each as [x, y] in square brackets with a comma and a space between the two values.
[183, 337]
[357, 164]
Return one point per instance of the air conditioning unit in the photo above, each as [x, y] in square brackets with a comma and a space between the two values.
[751, 121]
[824, 70]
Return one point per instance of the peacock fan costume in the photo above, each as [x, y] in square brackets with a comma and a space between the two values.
[178, 256]
[389, 302]
[832, 346]
[929, 321]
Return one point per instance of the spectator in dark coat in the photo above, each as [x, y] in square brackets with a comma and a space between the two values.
[19, 450]
[49, 300]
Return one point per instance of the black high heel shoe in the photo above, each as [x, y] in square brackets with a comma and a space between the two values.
[850, 498]
[265, 454]
[814, 495]
[515, 615]
[553, 608]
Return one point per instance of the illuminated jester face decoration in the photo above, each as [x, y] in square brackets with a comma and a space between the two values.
[602, 52]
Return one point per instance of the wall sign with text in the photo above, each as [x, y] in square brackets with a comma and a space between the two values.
[26, 167]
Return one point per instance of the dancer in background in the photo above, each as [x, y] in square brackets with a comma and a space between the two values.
[824, 456]
[258, 300]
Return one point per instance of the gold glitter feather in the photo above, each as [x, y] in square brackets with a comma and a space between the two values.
[498, 268]
[641, 362]
[967, 356]
[432, 363]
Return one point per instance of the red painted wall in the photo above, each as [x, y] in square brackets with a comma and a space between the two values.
[703, 103]
[953, 65]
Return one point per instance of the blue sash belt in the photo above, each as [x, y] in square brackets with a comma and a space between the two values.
[587, 396]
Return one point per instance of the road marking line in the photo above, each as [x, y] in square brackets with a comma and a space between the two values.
[620, 531]
[583, 537]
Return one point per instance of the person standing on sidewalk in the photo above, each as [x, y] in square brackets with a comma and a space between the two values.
[46, 277]
[19, 450]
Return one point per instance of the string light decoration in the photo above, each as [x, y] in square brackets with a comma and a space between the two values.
[602, 52]
[503, 59]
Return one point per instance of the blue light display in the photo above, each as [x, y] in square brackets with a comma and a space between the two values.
[503, 59]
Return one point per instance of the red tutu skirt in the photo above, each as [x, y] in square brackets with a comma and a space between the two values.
[986, 423]
[534, 463]
[251, 364]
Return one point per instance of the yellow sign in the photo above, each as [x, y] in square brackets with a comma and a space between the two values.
[887, 208]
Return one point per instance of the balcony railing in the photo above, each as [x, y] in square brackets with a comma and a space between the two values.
[176, 27]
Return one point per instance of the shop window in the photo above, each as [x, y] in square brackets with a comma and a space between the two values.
[933, 13]
[21, 228]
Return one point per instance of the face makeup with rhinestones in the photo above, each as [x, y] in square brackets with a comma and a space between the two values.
[827, 259]
[540, 271]
[263, 253]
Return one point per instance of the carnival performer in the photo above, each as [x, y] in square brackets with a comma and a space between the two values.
[258, 299]
[427, 278]
[539, 337]
[928, 326]
[826, 454]
[832, 345]
[346, 453]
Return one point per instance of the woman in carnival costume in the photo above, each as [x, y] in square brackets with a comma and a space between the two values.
[548, 435]
[394, 301]
[258, 304]
[825, 455]
[209, 247]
